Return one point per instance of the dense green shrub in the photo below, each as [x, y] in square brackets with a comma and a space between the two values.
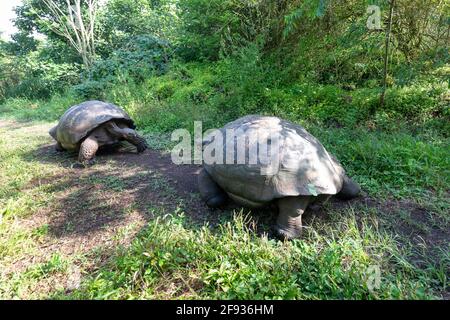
[122, 20]
[33, 78]
[244, 83]
[419, 101]
[139, 59]
[211, 28]
[91, 89]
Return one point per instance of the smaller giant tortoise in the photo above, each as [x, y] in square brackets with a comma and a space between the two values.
[93, 124]
[306, 173]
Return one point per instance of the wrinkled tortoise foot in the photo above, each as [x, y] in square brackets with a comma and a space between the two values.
[284, 233]
[217, 201]
[141, 147]
[83, 164]
[78, 165]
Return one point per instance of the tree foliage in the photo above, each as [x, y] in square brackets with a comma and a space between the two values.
[76, 22]
[283, 42]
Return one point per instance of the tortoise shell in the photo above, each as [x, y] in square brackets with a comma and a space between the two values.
[304, 166]
[80, 120]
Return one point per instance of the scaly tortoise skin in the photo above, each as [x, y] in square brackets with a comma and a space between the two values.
[90, 125]
[307, 173]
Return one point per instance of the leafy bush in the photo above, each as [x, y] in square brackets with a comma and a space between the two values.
[139, 59]
[31, 77]
[91, 89]
[418, 101]
[211, 28]
[122, 20]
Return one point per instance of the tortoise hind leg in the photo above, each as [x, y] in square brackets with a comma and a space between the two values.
[211, 193]
[289, 221]
[88, 149]
[350, 189]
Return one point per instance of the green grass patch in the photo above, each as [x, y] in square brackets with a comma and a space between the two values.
[391, 164]
[21, 109]
[172, 259]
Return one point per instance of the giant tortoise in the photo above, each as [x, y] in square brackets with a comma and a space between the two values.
[305, 174]
[93, 124]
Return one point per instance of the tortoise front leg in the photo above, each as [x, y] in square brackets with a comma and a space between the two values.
[127, 134]
[88, 149]
[289, 222]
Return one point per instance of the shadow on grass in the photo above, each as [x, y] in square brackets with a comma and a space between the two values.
[149, 185]
[123, 184]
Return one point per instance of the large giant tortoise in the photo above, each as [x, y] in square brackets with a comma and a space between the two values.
[306, 173]
[93, 124]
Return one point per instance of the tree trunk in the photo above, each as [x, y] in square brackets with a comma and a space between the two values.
[77, 28]
[386, 53]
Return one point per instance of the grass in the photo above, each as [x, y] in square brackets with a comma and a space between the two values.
[172, 260]
[396, 164]
[172, 257]
[17, 201]
[401, 229]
